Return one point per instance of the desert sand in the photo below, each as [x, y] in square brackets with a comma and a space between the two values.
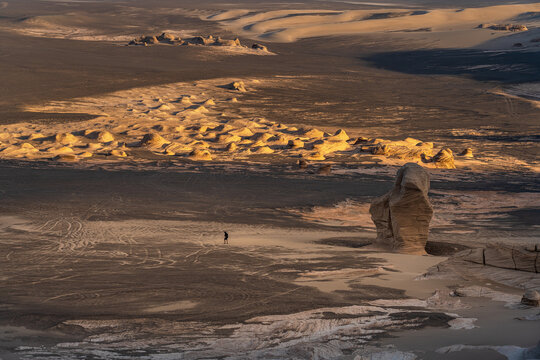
[289, 26]
[124, 158]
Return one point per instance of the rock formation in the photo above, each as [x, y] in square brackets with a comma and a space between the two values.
[402, 215]
[224, 42]
[237, 86]
[503, 256]
[504, 27]
[259, 47]
[467, 153]
[152, 140]
[167, 38]
[444, 159]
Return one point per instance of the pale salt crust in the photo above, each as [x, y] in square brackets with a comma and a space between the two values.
[202, 121]
[321, 333]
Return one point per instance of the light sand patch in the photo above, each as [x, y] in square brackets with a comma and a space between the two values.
[333, 280]
[510, 300]
[171, 307]
[406, 268]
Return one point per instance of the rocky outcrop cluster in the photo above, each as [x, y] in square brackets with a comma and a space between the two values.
[402, 215]
[520, 258]
[504, 27]
[410, 149]
[166, 38]
[167, 122]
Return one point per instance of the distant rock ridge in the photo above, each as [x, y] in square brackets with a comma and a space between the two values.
[504, 27]
[210, 40]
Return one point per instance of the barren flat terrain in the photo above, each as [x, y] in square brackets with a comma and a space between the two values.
[133, 134]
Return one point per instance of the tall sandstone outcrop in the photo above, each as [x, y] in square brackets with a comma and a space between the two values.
[402, 215]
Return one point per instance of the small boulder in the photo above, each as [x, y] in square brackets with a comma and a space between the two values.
[153, 140]
[361, 140]
[324, 169]
[166, 37]
[117, 153]
[466, 153]
[295, 144]
[340, 135]
[65, 138]
[200, 40]
[531, 298]
[444, 159]
[65, 157]
[199, 154]
[231, 147]
[101, 136]
[150, 40]
[259, 47]
[314, 133]
[237, 86]
[224, 42]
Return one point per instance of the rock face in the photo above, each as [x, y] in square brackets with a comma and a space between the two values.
[402, 215]
[506, 257]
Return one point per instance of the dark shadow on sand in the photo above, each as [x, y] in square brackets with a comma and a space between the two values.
[503, 138]
[503, 66]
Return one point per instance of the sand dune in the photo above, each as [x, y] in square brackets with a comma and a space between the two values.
[289, 26]
[186, 122]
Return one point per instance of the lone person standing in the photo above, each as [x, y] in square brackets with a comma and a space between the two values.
[225, 237]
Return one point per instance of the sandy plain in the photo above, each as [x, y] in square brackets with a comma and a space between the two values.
[111, 237]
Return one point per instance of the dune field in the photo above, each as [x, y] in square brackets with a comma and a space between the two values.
[252, 180]
[469, 26]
